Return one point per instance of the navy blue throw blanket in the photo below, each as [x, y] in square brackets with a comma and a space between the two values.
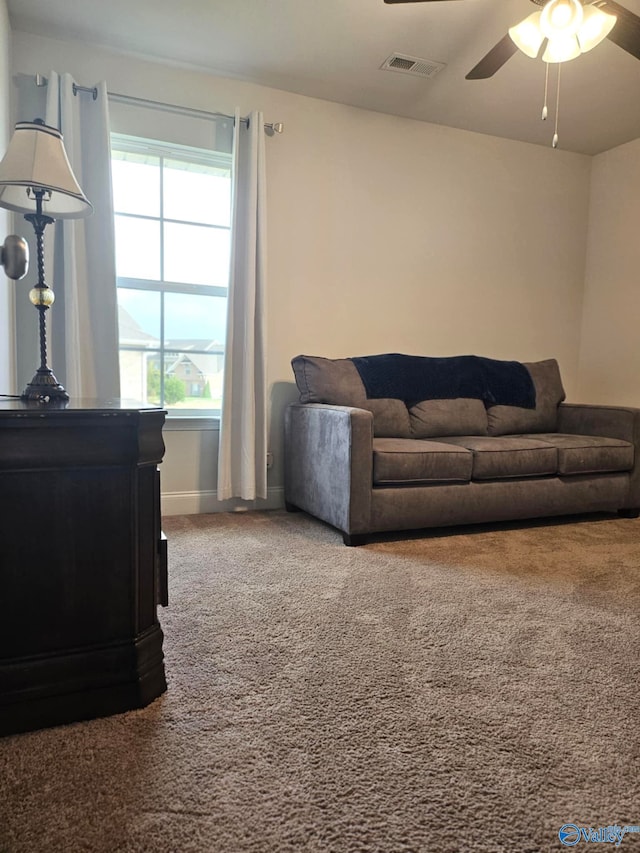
[413, 378]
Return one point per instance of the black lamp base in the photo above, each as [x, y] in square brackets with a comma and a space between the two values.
[44, 387]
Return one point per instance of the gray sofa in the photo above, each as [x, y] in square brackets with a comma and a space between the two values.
[367, 465]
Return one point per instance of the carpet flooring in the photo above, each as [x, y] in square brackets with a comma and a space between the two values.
[458, 691]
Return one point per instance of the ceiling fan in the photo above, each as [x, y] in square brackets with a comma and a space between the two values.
[625, 33]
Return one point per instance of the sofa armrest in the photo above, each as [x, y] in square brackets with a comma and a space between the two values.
[621, 422]
[329, 463]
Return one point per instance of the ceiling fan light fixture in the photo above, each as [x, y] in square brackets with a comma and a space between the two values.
[561, 18]
[527, 35]
[596, 26]
[561, 49]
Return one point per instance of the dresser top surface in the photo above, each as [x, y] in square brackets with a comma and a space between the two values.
[21, 408]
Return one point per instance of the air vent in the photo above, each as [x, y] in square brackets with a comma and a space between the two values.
[412, 65]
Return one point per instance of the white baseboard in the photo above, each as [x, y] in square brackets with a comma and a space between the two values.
[195, 503]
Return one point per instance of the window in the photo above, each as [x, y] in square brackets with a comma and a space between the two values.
[172, 222]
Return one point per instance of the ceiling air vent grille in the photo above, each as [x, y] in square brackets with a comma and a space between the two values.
[412, 65]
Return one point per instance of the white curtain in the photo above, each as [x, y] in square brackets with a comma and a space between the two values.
[242, 456]
[84, 331]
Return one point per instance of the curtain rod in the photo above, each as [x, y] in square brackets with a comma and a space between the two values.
[275, 126]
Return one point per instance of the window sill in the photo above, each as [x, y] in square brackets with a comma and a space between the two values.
[185, 423]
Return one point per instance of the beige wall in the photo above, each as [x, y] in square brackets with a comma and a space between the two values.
[385, 234]
[610, 342]
[6, 286]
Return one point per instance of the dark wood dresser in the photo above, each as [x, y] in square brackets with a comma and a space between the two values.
[83, 562]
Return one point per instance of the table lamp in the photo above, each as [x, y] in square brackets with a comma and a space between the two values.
[36, 179]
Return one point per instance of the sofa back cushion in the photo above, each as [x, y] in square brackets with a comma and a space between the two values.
[328, 380]
[512, 420]
[461, 416]
[337, 382]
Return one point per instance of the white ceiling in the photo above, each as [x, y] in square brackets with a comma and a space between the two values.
[333, 49]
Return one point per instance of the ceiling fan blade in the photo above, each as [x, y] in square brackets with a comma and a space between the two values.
[626, 32]
[494, 60]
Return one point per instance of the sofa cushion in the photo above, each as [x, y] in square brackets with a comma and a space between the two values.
[513, 420]
[328, 380]
[589, 454]
[404, 460]
[390, 418]
[461, 416]
[337, 382]
[498, 457]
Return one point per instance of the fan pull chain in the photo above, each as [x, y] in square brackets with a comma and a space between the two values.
[555, 135]
[545, 111]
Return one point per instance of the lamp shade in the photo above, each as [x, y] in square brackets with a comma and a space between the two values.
[561, 18]
[527, 35]
[596, 26]
[561, 49]
[36, 160]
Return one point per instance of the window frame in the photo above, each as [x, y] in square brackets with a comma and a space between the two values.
[163, 151]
